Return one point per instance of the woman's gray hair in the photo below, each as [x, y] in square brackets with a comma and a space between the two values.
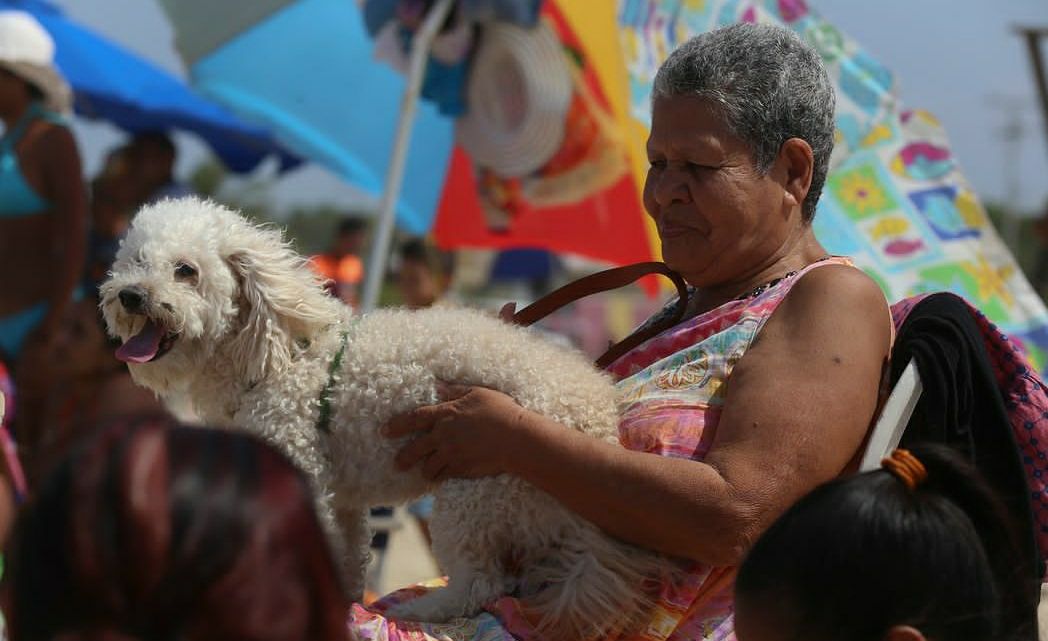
[769, 86]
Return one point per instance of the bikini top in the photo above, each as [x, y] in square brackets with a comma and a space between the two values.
[17, 197]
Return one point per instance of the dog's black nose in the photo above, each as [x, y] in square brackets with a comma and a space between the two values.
[133, 298]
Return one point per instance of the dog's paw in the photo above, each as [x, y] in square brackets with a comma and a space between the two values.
[434, 607]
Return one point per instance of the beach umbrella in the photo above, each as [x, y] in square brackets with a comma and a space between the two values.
[895, 199]
[112, 84]
[541, 160]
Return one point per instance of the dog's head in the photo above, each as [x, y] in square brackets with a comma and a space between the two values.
[196, 287]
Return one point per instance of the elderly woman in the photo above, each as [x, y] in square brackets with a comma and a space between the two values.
[768, 386]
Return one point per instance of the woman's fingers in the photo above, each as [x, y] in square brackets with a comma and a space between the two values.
[415, 451]
[451, 391]
[507, 311]
[434, 465]
[421, 419]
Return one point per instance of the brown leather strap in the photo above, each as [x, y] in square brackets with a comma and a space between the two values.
[602, 282]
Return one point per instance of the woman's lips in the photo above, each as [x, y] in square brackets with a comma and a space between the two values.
[673, 231]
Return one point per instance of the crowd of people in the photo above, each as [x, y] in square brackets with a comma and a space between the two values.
[739, 437]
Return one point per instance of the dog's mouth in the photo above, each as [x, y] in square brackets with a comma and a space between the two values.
[150, 343]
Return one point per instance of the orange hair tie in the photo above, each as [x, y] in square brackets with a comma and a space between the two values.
[906, 467]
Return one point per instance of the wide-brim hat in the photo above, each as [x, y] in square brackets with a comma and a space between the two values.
[27, 51]
[518, 95]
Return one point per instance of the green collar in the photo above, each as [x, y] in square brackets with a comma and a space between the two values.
[324, 417]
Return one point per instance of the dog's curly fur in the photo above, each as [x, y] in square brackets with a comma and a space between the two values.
[254, 335]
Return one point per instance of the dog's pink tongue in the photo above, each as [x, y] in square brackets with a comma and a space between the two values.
[142, 347]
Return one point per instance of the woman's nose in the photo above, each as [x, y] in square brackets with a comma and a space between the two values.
[671, 187]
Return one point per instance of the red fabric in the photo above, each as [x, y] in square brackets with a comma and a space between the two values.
[608, 225]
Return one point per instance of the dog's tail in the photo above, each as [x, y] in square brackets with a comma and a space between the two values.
[592, 586]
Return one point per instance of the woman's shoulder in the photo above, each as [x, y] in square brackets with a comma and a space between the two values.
[51, 146]
[53, 136]
[838, 290]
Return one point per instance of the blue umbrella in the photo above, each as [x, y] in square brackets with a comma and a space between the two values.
[113, 84]
[295, 67]
[523, 264]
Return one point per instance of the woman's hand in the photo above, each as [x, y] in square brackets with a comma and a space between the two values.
[471, 433]
[507, 311]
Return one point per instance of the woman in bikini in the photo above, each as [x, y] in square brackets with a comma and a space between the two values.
[43, 213]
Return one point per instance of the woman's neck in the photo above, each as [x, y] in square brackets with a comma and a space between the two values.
[14, 114]
[790, 258]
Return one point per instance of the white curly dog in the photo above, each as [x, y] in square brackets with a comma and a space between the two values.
[216, 309]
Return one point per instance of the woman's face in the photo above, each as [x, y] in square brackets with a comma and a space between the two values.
[13, 91]
[717, 216]
[418, 287]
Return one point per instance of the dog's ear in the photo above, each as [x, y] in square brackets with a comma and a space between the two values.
[281, 303]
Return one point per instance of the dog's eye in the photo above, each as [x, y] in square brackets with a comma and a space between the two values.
[183, 270]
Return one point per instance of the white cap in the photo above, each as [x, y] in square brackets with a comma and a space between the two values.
[28, 51]
[22, 39]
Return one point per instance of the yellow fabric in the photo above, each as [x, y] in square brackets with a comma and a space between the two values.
[595, 23]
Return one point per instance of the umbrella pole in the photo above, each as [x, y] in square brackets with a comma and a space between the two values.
[420, 47]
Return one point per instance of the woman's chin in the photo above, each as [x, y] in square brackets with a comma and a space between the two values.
[684, 259]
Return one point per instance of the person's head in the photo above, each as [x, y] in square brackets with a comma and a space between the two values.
[115, 190]
[83, 350]
[153, 154]
[741, 135]
[349, 236]
[867, 558]
[149, 532]
[27, 70]
[417, 277]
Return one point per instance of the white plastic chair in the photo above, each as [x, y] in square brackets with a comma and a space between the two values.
[895, 416]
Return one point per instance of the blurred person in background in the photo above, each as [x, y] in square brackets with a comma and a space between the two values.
[153, 156]
[95, 387]
[421, 281]
[341, 264]
[12, 478]
[152, 531]
[116, 193]
[43, 213]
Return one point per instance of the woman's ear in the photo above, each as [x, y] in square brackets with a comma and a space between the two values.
[797, 163]
[904, 633]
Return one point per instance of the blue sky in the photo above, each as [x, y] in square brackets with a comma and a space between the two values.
[956, 58]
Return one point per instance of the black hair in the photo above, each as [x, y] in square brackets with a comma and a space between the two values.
[212, 534]
[415, 250]
[351, 225]
[860, 555]
[155, 138]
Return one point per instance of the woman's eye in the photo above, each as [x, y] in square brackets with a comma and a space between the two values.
[183, 270]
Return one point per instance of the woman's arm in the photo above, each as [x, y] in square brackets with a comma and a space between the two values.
[797, 408]
[64, 189]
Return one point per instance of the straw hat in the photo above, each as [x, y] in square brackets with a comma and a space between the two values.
[518, 96]
[28, 51]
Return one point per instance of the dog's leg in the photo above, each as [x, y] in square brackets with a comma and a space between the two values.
[469, 589]
[355, 547]
[473, 564]
[290, 429]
